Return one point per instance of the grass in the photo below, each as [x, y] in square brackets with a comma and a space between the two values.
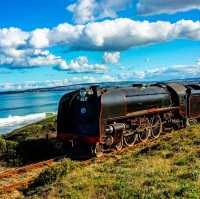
[51, 175]
[167, 168]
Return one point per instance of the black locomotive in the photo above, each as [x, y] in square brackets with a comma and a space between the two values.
[104, 118]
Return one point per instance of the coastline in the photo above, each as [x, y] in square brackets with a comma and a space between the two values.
[11, 123]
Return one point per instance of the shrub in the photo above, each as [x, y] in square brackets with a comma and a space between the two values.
[53, 173]
[2, 145]
[8, 152]
[7, 147]
[11, 153]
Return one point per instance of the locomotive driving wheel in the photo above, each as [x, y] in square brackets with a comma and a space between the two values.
[144, 129]
[156, 126]
[130, 138]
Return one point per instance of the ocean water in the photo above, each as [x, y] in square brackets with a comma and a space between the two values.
[19, 109]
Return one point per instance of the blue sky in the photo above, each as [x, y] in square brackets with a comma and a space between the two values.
[52, 43]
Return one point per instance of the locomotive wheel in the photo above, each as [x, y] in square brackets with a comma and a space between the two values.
[97, 150]
[130, 139]
[156, 126]
[119, 145]
[145, 130]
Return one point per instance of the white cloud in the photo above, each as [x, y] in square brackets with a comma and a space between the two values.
[187, 29]
[5, 86]
[9, 86]
[12, 37]
[174, 71]
[111, 57]
[81, 64]
[109, 35]
[49, 60]
[39, 38]
[65, 34]
[118, 34]
[184, 70]
[83, 10]
[90, 10]
[29, 58]
[152, 7]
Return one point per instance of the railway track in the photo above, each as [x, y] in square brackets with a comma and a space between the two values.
[12, 172]
[21, 177]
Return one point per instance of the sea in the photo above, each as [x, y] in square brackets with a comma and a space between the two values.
[22, 108]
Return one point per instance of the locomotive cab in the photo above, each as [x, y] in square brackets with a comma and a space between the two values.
[193, 99]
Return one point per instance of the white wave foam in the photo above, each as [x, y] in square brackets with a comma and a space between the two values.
[21, 120]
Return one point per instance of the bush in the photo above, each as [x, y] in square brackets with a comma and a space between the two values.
[53, 173]
[11, 153]
[7, 147]
[8, 151]
[2, 145]
[34, 150]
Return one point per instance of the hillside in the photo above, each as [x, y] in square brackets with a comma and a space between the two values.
[166, 168]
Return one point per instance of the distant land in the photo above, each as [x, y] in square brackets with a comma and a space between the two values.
[73, 86]
[103, 84]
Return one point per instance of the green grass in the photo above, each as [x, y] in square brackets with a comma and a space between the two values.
[168, 168]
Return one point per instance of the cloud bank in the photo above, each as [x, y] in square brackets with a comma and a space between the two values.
[152, 7]
[174, 71]
[10, 86]
[151, 74]
[113, 35]
[85, 11]
[108, 35]
[30, 58]
[19, 48]
[90, 10]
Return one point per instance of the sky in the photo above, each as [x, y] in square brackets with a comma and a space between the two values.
[62, 42]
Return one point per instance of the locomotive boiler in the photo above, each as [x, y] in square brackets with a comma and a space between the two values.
[103, 118]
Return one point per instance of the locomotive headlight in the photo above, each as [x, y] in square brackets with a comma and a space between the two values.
[83, 110]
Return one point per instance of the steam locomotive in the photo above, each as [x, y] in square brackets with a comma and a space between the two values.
[105, 118]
